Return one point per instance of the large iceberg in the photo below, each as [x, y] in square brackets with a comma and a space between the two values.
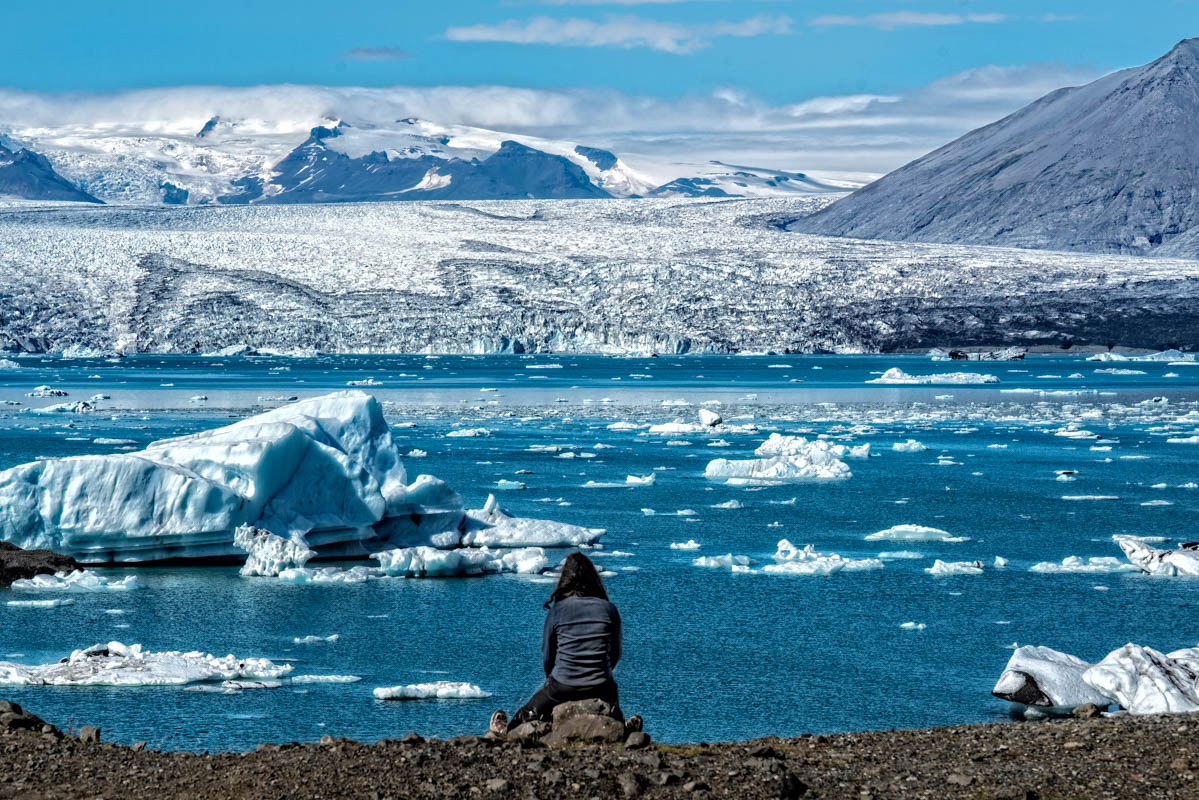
[1048, 679]
[787, 459]
[321, 474]
[117, 664]
[793, 560]
[1183, 561]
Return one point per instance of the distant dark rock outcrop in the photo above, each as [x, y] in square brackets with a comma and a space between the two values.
[17, 564]
[1112, 166]
[28, 175]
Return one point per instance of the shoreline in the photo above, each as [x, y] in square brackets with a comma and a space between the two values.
[1157, 756]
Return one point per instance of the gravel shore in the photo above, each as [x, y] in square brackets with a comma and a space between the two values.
[1144, 757]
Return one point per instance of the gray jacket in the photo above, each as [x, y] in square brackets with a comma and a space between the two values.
[580, 644]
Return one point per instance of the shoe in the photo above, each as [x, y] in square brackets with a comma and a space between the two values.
[633, 724]
[499, 723]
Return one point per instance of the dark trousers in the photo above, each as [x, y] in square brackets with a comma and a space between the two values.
[541, 704]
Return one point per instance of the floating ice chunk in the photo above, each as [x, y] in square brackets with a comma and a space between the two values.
[492, 526]
[1047, 679]
[780, 445]
[690, 544]
[57, 602]
[913, 626]
[467, 433]
[325, 678]
[429, 562]
[793, 560]
[47, 391]
[1084, 497]
[999, 563]
[899, 555]
[1165, 355]
[116, 664]
[898, 376]
[238, 686]
[113, 442]
[914, 533]
[784, 459]
[437, 690]
[910, 446]
[507, 486]
[317, 639]
[1183, 561]
[1145, 681]
[626, 426]
[7, 364]
[1157, 503]
[945, 568]
[543, 366]
[730, 504]
[329, 575]
[269, 554]
[709, 418]
[1118, 371]
[1100, 565]
[1183, 440]
[641, 480]
[727, 561]
[365, 382]
[416, 453]
[80, 580]
[78, 407]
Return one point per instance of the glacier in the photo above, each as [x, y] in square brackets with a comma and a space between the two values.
[321, 475]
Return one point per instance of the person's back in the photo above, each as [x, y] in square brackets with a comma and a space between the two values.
[581, 641]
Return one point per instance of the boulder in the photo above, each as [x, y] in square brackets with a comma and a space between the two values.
[577, 708]
[529, 730]
[18, 564]
[90, 734]
[15, 718]
[586, 728]
[637, 740]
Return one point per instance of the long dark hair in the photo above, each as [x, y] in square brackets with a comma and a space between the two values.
[579, 579]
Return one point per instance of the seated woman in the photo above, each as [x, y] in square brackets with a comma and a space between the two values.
[580, 645]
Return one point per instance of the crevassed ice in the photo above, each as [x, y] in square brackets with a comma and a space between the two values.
[436, 690]
[1172, 563]
[117, 664]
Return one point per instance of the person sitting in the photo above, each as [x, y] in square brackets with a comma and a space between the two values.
[580, 646]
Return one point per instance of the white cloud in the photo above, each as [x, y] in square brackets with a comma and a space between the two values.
[865, 133]
[905, 19]
[618, 31]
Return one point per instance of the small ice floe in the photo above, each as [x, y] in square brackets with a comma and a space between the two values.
[57, 602]
[999, 563]
[416, 453]
[793, 560]
[910, 446]
[900, 555]
[365, 382]
[1183, 561]
[429, 562]
[113, 442]
[117, 664]
[325, 678]
[649, 512]
[624, 425]
[504, 485]
[787, 459]
[1183, 440]
[1119, 371]
[1152, 503]
[690, 544]
[730, 504]
[914, 533]
[317, 639]
[543, 366]
[46, 391]
[7, 364]
[268, 554]
[727, 561]
[1100, 565]
[1086, 497]
[467, 433]
[198, 398]
[80, 580]
[1066, 475]
[641, 480]
[78, 407]
[329, 575]
[946, 568]
[913, 626]
[437, 690]
[492, 526]
[898, 376]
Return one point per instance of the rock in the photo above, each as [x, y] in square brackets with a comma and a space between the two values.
[630, 784]
[327, 740]
[18, 564]
[497, 785]
[960, 780]
[90, 734]
[765, 751]
[790, 787]
[15, 718]
[576, 708]
[637, 741]
[1182, 764]
[664, 778]
[1086, 711]
[586, 728]
[465, 741]
[530, 730]
[412, 738]
[695, 786]
[139, 746]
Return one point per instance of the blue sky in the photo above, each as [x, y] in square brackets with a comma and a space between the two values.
[781, 51]
[838, 85]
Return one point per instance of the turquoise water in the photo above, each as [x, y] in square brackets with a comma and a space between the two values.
[710, 654]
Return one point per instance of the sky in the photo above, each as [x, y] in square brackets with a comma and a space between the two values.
[847, 84]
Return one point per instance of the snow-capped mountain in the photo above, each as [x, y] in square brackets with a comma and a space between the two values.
[1112, 166]
[199, 160]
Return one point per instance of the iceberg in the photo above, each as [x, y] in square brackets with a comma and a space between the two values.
[492, 526]
[728, 561]
[429, 562]
[1183, 561]
[323, 474]
[117, 664]
[641, 480]
[1048, 679]
[793, 560]
[910, 446]
[79, 580]
[945, 568]
[914, 533]
[898, 376]
[1101, 565]
[437, 690]
[1144, 681]
[268, 554]
[787, 459]
[690, 544]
